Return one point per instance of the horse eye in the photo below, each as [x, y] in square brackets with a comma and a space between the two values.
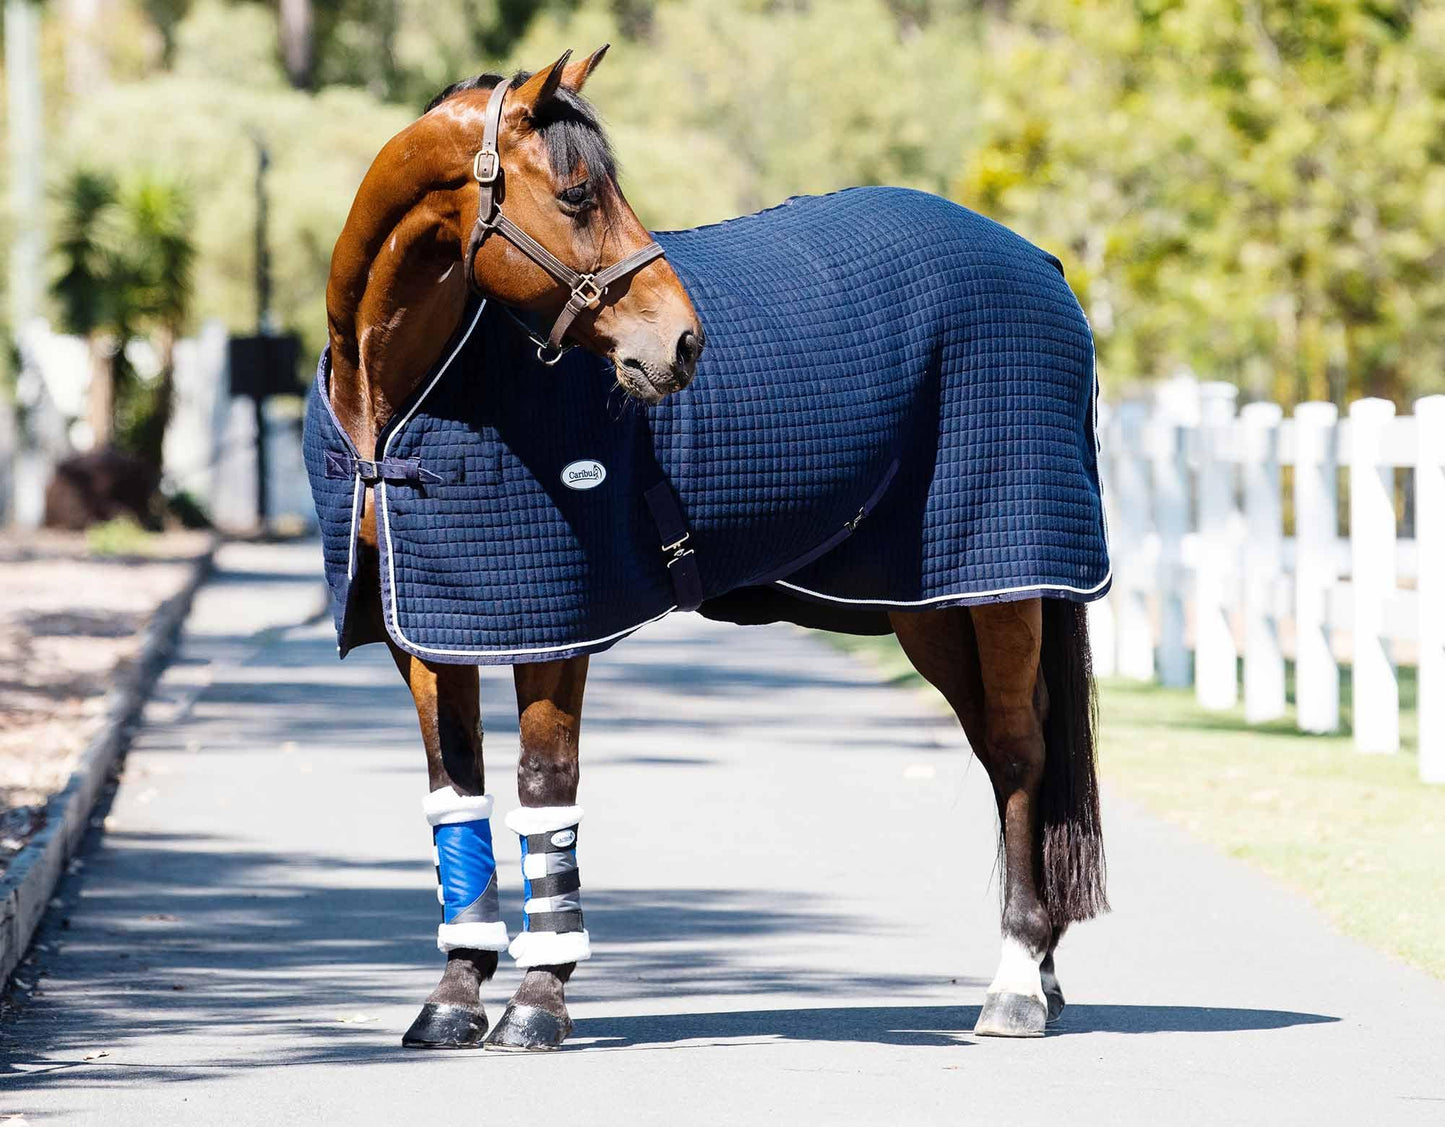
[577, 195]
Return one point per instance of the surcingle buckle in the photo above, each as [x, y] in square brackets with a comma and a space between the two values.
[677, 549]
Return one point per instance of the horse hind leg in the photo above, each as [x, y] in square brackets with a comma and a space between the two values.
[448, 710]
[986, 662]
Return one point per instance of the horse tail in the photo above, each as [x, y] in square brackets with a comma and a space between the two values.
[1073, 881]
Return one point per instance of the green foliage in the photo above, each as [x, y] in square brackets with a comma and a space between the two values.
[121, 536]
[1255, 188]
[126, 267]
[200, 129]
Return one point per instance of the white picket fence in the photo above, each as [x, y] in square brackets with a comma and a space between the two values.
[1197, 503]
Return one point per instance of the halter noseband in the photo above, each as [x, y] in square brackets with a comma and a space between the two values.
[587, 290]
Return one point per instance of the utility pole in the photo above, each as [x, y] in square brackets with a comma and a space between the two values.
[22, 73]
[24, 481]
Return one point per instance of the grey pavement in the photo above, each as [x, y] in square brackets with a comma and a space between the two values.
[788, 877]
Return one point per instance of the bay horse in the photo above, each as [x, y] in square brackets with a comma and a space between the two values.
[427, 230]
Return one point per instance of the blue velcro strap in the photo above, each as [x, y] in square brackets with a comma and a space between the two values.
[342, 465]
[467, 871]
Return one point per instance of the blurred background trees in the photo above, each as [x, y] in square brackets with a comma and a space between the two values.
[1252, 188]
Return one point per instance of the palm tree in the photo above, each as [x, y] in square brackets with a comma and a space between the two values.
[127, 257]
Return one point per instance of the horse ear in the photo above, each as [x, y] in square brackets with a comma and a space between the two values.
[576, 74]
[542, 85]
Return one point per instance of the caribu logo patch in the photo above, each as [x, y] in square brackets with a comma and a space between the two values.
[563, 838]
[586, 473]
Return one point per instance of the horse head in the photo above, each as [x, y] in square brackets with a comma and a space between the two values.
[554, 235]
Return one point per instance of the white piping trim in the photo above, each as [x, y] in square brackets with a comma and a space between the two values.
[355, 517]
[466, 336]
[955, 595]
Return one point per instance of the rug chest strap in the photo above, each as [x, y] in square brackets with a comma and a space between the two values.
[681, 560]
[344, 467]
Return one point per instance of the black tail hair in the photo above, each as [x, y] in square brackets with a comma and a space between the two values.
[1072, 888]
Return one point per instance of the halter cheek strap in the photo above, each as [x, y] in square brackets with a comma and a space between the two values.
[587, 290]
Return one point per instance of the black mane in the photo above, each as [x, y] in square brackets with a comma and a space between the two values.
[568, 123]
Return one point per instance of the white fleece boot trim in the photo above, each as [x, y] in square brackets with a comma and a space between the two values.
[542, 819]
[548, 948]
[445, 807]
[475, 935]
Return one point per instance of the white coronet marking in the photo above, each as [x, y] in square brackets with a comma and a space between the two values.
[1018, 971]
[585, 473]
[563, 838]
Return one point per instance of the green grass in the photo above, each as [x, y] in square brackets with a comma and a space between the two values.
[120, 536]
[1359, 835]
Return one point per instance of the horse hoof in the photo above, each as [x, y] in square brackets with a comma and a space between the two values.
[1055, 999]
[1011, 1015]
[525, 1029]
[446, 1027]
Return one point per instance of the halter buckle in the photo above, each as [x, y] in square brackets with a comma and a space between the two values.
[486, 165]
[587, 291]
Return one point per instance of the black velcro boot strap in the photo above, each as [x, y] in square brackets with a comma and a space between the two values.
[542, 843]
[557, 884]
[555, 921]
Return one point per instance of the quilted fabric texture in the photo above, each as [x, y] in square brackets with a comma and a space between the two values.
[894, 409]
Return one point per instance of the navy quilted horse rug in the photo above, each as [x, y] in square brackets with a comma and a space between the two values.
[894, 410]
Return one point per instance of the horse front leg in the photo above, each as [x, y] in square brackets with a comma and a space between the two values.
[459, 810]
[553, 940]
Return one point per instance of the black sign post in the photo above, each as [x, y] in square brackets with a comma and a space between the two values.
[263, 366]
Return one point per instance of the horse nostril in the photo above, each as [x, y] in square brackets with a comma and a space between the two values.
[689, 348]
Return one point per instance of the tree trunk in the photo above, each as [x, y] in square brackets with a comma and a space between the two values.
[298, 42]
[102, 389]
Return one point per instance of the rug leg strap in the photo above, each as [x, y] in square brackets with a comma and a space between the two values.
[466, 871]
[552, 928]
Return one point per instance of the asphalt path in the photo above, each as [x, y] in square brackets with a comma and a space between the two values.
[788, 876]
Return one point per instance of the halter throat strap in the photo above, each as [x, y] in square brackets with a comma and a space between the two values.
[587, 290]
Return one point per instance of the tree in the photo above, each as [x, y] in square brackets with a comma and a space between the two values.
[127, 256]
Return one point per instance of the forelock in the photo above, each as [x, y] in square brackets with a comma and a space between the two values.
[567, 123]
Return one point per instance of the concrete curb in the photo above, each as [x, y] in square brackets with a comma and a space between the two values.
[27, 885]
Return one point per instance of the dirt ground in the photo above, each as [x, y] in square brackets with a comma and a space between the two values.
[70, 616]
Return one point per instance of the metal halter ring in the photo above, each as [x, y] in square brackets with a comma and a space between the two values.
[550, 353]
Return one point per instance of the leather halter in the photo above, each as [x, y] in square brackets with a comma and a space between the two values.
[587, 290]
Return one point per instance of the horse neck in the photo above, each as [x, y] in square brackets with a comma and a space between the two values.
[397, 287]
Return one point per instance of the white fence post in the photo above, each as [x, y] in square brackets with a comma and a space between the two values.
[1264, 696]
[1103, 635]
[1133, 623]
[1216, 657]
[1372, 576]
[1316, 496]
[1430, 541]
[1171, 521]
